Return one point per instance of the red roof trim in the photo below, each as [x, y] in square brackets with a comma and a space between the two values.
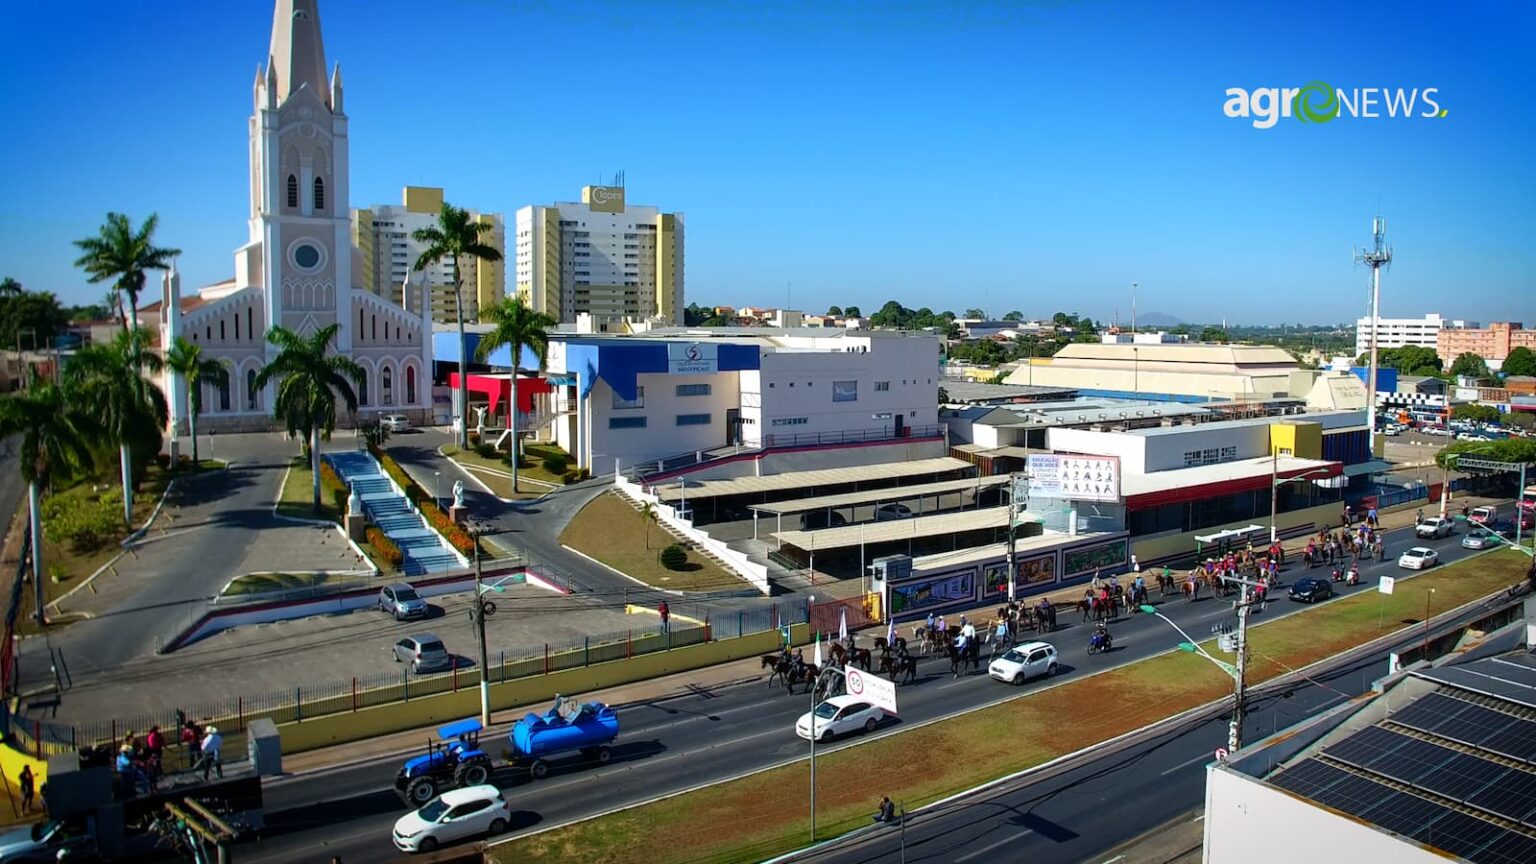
[1186, 494]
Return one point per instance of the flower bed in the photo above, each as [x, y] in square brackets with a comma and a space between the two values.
[456, 536]
[384, 547]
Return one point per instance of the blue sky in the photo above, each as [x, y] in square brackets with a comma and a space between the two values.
[1033, 156]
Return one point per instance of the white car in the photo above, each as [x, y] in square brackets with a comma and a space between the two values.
[453, 815]
[1434, 527]
[395, 423]
[1023, 662]
[839, 715]
[1419, 558]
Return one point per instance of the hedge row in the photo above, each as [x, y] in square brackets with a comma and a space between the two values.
[384, 547]
[333, 487]
[456, 536]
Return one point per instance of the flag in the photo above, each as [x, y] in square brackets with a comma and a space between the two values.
[842, 624]
[890, 632]
[816, 658]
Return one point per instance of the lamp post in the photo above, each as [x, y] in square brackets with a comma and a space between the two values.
[1427, 598]
[437, 497]
[1237, 672]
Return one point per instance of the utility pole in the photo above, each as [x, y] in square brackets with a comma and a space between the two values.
[1376, 257]
[1239, 678]
[1013, 519]
[478, 613]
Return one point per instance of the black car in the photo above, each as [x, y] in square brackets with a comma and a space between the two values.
[1311, 590]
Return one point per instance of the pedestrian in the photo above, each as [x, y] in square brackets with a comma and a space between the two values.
[887, 810]
[666, 614]
[28, 785]
[211, 747]
[191, 742]
[1418, 518]
[154, 752]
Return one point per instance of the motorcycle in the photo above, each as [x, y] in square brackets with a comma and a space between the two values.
[1354, 576]
[1338, 575]
[1100, 642]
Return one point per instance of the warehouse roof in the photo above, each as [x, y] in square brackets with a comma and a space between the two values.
[900, 529]
[890, 493]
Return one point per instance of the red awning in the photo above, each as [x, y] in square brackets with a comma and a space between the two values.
[1186, 494]
[498, 387]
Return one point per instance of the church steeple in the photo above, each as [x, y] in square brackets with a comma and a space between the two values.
[297, 52]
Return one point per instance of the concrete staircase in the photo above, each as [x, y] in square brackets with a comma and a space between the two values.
[425, 550]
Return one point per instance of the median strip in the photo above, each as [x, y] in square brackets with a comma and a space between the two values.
[765, 814]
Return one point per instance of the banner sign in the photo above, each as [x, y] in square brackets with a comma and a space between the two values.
[1080, 478]
[693, 358]
[877, 691]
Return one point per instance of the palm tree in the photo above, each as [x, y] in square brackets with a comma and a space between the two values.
[112, 381]
[186, 359]
[122, 254]
[308, 381]
[647, 516]
[53, 443]
[457, 235]
[10, 287]
[516, 327]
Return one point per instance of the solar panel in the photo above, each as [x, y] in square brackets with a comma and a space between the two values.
[1471, 724]
[1510, 848]
[1466, 837]
[1517, 742]
[1476, 678]
[1514, 797]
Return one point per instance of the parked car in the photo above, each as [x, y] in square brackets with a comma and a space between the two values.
[1434, 527]
[454, 815]
[402, 601]
[815, 520]
[1483, 515]
[838, 716]
[1311, 590]
[424, 652]
[888, 512]
[1419, 558]
[1022, 662]
[395, 423]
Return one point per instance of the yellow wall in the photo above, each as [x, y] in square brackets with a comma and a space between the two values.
[532, 690]
[362, 238]
[488, 274]
[423, 199]
[666, 264]
[1303, 440]
[11, 762]
[547, 285]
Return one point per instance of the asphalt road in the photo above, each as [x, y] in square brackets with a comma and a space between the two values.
[713, 735]
[1085, 813]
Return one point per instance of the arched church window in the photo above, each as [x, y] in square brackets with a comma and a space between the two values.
[250, 389]
[374, 335]
[387, 384]
[293, 191]
[223, 394]
[250, 331]
[319, 193]
[362, 388]
[410, 385]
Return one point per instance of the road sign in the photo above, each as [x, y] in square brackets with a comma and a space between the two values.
[880, 692]
[1221, 754]
[1386, 584]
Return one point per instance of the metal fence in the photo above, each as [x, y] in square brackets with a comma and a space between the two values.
[232, 715]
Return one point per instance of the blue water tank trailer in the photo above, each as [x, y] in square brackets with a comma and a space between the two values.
[569, 726]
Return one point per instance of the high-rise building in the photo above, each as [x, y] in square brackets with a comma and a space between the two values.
[1400, 332]
[1492, 343]
[383, 234]
[601, 256]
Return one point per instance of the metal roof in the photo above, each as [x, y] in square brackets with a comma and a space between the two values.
[900, 529]
[890, 493]
[700, 489]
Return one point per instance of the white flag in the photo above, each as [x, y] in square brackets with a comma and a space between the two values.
[842, 625]
[816, 658]
[890, 632]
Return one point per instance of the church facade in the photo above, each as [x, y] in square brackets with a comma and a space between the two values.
[299, 268]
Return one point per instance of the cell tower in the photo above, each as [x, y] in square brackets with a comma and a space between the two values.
[1378, 258]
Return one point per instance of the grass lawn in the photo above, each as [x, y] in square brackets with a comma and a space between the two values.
[611, 531]
[298, 498]
[497, 474]
[757, 817]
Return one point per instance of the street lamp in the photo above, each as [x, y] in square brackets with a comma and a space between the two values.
[1237, 672]
[437, 497]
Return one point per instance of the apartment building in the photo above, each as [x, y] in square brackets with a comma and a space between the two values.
[1400, 332]
[602, 256]
[1492, 343]
[382, 234]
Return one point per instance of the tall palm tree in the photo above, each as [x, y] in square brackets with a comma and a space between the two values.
[112, 381]
[457, 235]
[121, 254]
[186, 359]
[516, 327]
[647, 518]
[308, 382]
[10, 287]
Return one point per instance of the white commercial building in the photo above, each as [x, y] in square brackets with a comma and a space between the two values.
[613, 260]
[384, 232]
[1398, 332]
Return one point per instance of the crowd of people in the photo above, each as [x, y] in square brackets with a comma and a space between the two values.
[141, 762]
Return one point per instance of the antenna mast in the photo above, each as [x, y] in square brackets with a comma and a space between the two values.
[1378, 257]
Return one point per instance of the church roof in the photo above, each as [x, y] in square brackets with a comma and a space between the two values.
[297, 53]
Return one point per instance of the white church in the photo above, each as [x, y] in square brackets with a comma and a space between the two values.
[299, 269]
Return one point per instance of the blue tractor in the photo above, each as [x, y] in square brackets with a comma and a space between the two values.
[455, 760]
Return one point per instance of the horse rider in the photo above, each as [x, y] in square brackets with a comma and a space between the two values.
[967, 629]
[1097, 583]
[931, 624]
[1000, 632]
[797, 663]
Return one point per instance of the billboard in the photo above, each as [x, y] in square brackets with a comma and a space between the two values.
[1080, 478]
[603, 199]
[693, 358]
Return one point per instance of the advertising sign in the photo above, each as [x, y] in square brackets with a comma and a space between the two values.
[1081, 478]
[933, 592]
[603, 199]
[693, 358]
[877, 691]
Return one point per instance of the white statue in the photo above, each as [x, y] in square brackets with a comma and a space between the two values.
[458, 493]
[354, 503]
[480, 419]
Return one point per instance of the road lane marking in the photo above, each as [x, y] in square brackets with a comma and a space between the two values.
[1114, 859]
[1185, 764]
[988, 848]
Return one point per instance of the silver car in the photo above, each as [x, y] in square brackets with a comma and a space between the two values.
[424, 652]
[402, 601]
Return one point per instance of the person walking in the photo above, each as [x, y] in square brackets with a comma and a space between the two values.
[191, 742]
[665, 612]
[28, 785]
[212, 746]
[154, 752]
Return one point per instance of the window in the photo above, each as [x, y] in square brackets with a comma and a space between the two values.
[626, 422]
[319, 194]
[221, 330]
[250, 389]
[694, 419]
[387, 385]
[620, 403]
[250, 330]
[882, 386]
[224, 394]
[293, 191]
[692, 390]
[410, 385]
[791, 421]
[362, 389]
[845, 391]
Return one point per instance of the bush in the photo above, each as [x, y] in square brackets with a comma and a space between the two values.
[485, 450]
[555, 464]
[333, 487]
[384, 547]
[673, 557]
[163, 460]
[87, 521]
[570, 477]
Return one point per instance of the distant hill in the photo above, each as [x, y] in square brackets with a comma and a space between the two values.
[1157, 319]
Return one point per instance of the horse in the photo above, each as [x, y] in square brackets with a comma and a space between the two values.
[923, 638]
[959, 657]
[904, 667]
[781, 668]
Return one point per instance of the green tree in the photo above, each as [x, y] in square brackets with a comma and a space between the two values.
[120, 254]
[186, 359]
[28, 319]
[112, 381]
[515, 327]
[9, 287]
[308, 381]
[973, 312]
[1521, 361]
[852, 312]
[647, 518]
[1470, 365]
[53, 445]
[835, 311]
[454, 237]
[1015, 315]
[1476, 413]
[1505, 450]
[1213, 334]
